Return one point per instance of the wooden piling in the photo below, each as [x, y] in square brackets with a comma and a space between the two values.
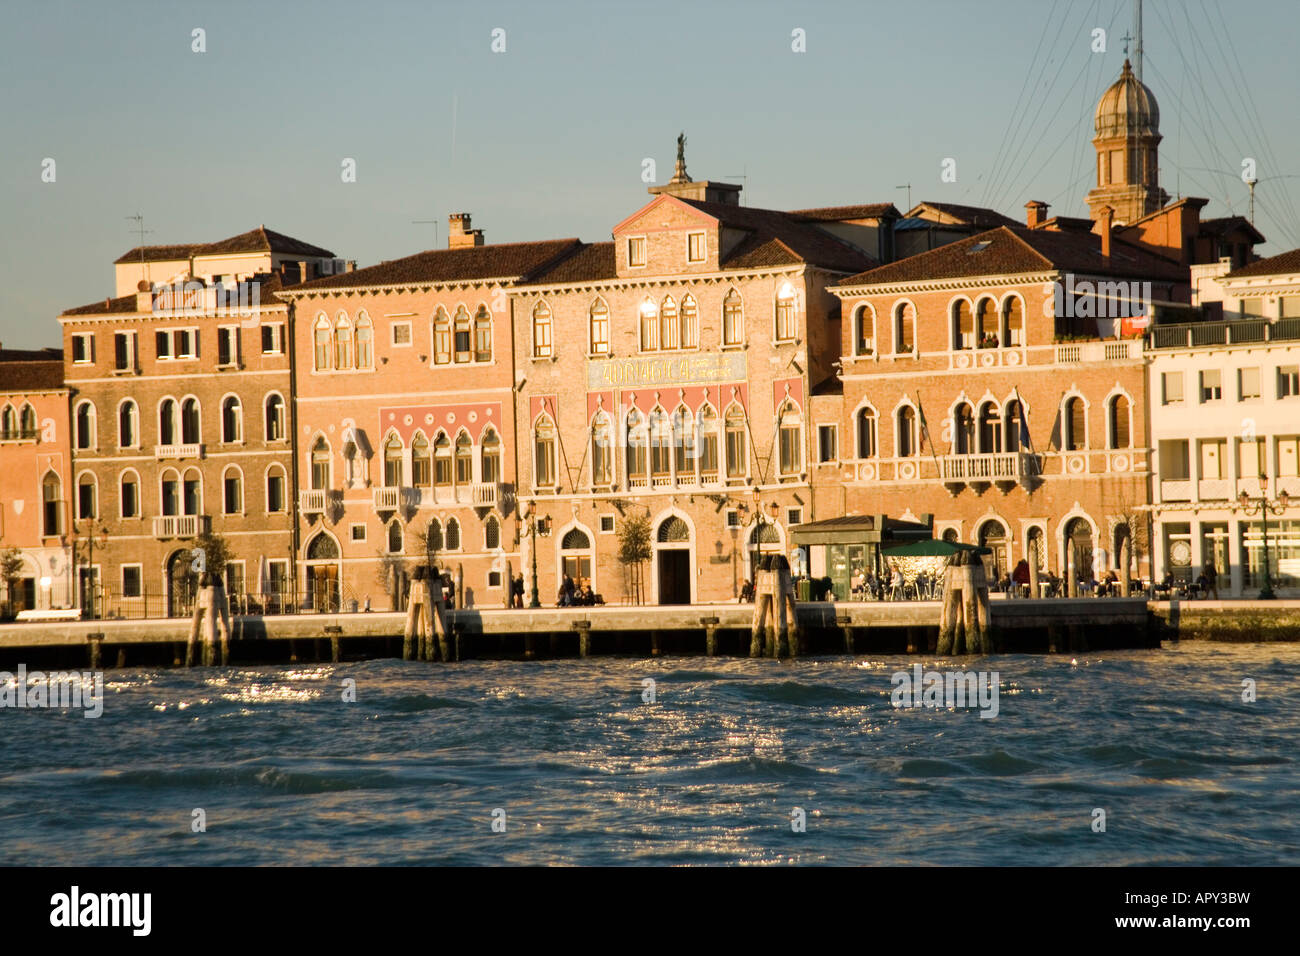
[121, 657]
[508, 585]
[1033, 568]
[96, 643]
[710, 636]
[912, 644]
[584, 637]
[845, 624]
[336, 640]
[460, 586]
[1125, 560]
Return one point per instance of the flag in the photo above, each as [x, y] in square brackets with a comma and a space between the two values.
[925, 428]
[1023, 438]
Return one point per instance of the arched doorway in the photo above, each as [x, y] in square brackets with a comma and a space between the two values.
[323, 573]
[993, 535]
[1078, 541]
[673, 561]
[182, 584]
[576, 558]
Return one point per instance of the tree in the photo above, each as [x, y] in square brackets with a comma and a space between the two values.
[633, 551]
[11, 567]
[215, 554]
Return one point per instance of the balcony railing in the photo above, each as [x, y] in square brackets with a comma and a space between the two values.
[486, 494]
[180, 526]
[1077, 353]
[1239, 332]
[177, 451]
[312, 501]
[386, 499]
[1005, 469]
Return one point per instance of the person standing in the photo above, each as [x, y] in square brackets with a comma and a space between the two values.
[1211, 579]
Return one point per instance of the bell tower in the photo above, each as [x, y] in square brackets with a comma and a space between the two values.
[1127, 136]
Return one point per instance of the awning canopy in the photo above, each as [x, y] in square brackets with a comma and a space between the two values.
[932, 549]
[861, 529]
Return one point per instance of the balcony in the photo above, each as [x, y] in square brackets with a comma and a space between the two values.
[486, 494]
[312, 501]
[387, 499]
[1080, 353]
[177, 451]
[1236, 332]
[1005, 470]
[1215, 489]
[180, 526]
[1176, 490]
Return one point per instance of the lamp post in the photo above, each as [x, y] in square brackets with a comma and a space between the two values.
[89, 538]
[1263, 507]
[530, 513]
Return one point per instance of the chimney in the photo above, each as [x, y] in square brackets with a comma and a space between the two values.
[143, 296]
[1035, 213]
[304, 270]
[459, 234]
[1105, 216]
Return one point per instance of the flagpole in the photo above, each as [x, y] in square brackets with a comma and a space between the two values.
[925, 429]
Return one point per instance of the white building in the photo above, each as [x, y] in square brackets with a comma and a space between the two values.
[1225, 418]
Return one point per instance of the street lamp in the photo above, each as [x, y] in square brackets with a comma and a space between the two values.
[1264, 508]
[530, 513]
[89, 538]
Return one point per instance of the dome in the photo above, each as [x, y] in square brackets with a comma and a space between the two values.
[1127, 108]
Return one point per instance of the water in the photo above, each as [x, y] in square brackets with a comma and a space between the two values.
[587, 773]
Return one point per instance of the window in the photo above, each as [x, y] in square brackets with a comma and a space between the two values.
[275, 490]
[357, 532]
[864, 331]
[1017, 428]
[232, 497]
[964, 430]
[167, 424]
[707, 443]
[907, 444]
[1288, 381]
[637, 441]
[669, 330]
[131, 581]
[394, 537]
[602, 461]
[52, 505]
[320, 465]
[986, 324]
[321, 344]
[274, 418]
[86, 497]
[128, 425]
[990, 429]
[1214, 459]
[636, 252]
[695, 247]
[8, 423]
[789, 427]
[793, 516]
[1174, 461]
[1250, 458]
[163, 344]
[400, 334]
[904, 329]
[85, 426]
[441, 337]
[453, 534]
[1171, 384]
[606, 524]
[393, 462]
[737, 458]
[867, 433]
[124, 351]
[733, 518]
[273, 339]
[690, 324]
[1288, 456]
[421, 462]
[541, 330]
[1119, 423]
[129, 497]
[963, 325]
[827, 444]
[1247, 384]
[83, 348]
[228, 345]
[1252, 308]
[464, 460]
[785, 320]
[442, 461]
[365, 342]
[660, 443]
[491, 533]
[649, 326]
[190, 422]
[234, 578]
[170, 499]
[232, 420]
[598, 322]
[185, 343]
[343, 343]
[27, 421]
[733, 319]
[683, 443]
[1013, 313]
[192, 493]
[1211, 385]
[462, 335]
[482, 335]
[1076, 433]
[490, 464]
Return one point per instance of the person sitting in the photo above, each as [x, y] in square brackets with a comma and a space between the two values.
[1020, 576]
[746, 592]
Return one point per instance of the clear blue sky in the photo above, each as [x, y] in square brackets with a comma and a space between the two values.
[547, 139]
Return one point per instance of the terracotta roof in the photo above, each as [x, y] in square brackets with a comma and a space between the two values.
[977, 216]
[124, 303]
[260, 239]
[1008, 251]
[1225, 224]
[1284, 263]
[798, 241]
[878, 210]
[31, 355]
[26, 375]
[510, 260]
[591, 263]
[1075, 223]
[270, 282]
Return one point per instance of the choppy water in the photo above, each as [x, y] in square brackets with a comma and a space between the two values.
[587, 773]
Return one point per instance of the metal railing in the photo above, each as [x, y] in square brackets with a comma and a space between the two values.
[1233, 332]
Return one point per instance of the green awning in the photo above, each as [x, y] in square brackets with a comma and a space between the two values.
[932, 549]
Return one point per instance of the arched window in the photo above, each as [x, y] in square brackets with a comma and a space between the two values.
[275, 490]
[441, 337]
[442, 461]
[8, 422]
[421, 462]
[575, 555]
[491, 533]
[1119, 423]
[128, 498]
[321, 344]
[690, 323]
[986, 324]
[1017, 427]
[453, 534]
[462, 338]
[637, 440]
[482, 335]
[232, 491]
[789, 425]
[322, 548]
[232, 420]
[950, 535]
[542, 346]
[867, 433]
[393, 462]
[343, 343]
[433, 538]
[864, 331]
[128, 425]
[602, 447]
[649, 326]
[964, 429]
[86, 497]
[365, 342]
[1037, 548]
[737, 447]
[169, 484]
[1013, 320]
[1076, 433]
[27, 421]
[394, 537]
[190, 434]
[544, 471]
[661, 437]
[274, 418]
[786, 326]
[669, 330]
[598, 323]
[86, 426]
[320, 464]
[673, 531]
[490, 457]
[993, 535]
[990, 429]
[464, 460]
[168, 431]
[963, 325]
[904, 328]
[52, 505]
[733, 319]
[192, 492]
[708, 444]
[683, 443]
[907, 443]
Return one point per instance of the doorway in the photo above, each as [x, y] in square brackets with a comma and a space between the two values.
[674, 576]
[182, 585]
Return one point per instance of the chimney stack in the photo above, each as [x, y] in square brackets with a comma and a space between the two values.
[1105, 217]
[1035, 213]
[304, 270]
[459, 233]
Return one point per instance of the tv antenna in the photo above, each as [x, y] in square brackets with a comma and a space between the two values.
[428, 222]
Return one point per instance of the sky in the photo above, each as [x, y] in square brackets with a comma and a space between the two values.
[548, 137]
